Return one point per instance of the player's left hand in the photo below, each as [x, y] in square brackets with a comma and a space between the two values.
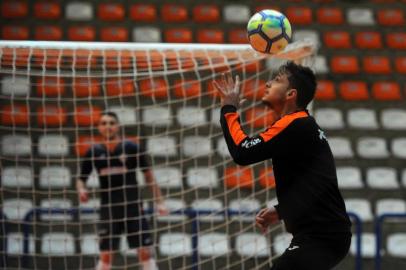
[266, 217]
[229, 90]
[162, 209]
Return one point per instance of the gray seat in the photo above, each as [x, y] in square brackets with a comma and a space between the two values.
[372, 147]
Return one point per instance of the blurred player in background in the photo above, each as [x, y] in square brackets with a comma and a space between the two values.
[309, 201]
[115, 161]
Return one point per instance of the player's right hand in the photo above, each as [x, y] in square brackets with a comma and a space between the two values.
[265, 218]
[83, 195]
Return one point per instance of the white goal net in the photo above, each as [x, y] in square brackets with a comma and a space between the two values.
[52, 97]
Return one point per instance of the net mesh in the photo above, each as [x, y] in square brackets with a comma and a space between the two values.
[52, 96]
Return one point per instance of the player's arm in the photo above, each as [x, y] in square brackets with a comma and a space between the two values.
[85, 170]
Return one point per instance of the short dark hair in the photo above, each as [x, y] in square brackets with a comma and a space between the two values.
[112, 114]
[303, 80]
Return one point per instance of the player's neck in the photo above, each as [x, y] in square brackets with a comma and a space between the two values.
[289, 108]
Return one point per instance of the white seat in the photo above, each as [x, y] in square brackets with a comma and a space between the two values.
[394, 119]
[304, 35]
[93, 180]
[126, 114]
[281, 242]
[146, 34]
[252, 245]
[125, 248]
[237, 13]
[404, 178]
[368, 242]
[361, 118]
[175, 244]
[173, 205]
[157, 116]
[399, 147]
[15, 245]
[191, 116]
[58, 244]
[15, 86]
[321, 65]
[197, 146]
[53, 145]
[349, 177]
[16, 209]
[341, 147]
[79, 11]
[201, 177]
[56, 204]
[169, 177]
[396, 245]
[162, 146]
[329, 118]
[222, 148]
[360, 207]
[16, 145]
[372, 147]
[215, 117]
[360, 16]
[213, 244]
[214, 205]
[92, 203]
[19, 177]
[89, 244]
[382, 178]
[388, 206]
[247, 206]
[54, 177]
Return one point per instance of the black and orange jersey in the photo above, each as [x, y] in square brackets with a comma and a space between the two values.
[309, 200]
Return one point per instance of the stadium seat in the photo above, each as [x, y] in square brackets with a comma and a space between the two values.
[252, 245]
[372, 148]
[215, 117]
[345, 64]
[368, 40]
[299, 15]
[396, 40]
[47, 10]
[341, 147]
[320, 64]
[360, 16]
[215, 206]
[54, 177]
[281, 242]
[267, 177]
[15, 32]
[12, 9]
[175, 244]
[85, 87]
[235, 13]
[386, 90]
[238, 177]
[307, 35]
[396, 245]
[253, 89]
[222, 149]
[83, 143]
[89, 244]
[201, 177]
[154, 87]
[111, 12]
[64, 204]
[53, 145]
[187, 88]
[173, 205]
[15, 86]
[92, 203]
[330, 15]
[206, 13]
[210, 36]
[58, 244]
[126, 114]
[259, 117]
[162, 146]
[114, 33]
[16, 145]
[15, 114]
[170, 177]
[15, 244]
[368, 243]
[404, 178]
[48, 32]
[399, 148]
[360, 207]
[50, 86]
[79, 11]
[382, 178]
[120, 87]
[386, 206]
[337, 39]
[354, 90]
[360, 118]
[51, 116]
[16, 209]
[157, 116]
[196, 146]
[17, 177]
[325, 90]
[213, 244]
[390, 17]
[238, 36]
[178, 35]
[400, 64]
[81, 33]
[329, 118]
[143, 12]
[174, 13]
[247, 208]
[349, 178]
[85, 115]
[393, 119]
[376, 65]
[125, 249]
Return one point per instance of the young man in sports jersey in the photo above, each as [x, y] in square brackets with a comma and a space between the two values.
[309, 201]
[115, 161]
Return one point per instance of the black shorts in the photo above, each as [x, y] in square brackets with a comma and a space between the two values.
[309, 252]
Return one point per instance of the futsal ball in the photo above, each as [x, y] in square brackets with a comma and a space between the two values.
[269, 31]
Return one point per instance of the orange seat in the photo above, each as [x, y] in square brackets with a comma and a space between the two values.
[174, 13]
[253, 89]
[50, 86]
[150, 61]
[85, 87]
[81, 33]
[330, 15]
[238, 177]
[47, 10]
[386, 91]
[255, 66]
[396, 40]
[51, 115]
[12, 9]
[86, 115]
[267, 178]
[391, 17]
[178, 35]
[187, 88]
[83, 143]
[114, 33]
[238, 36]
[345, 64]
[368, 40]
[154, 87]
[400, 64]
[47, 58]
[299, 15]
[325, 90]
[82, 59]
[48, 32]
[111, 12]
[15, 32]
[206, 13]
[143, 12]
[376, 65]
[259, 117]
[210, 36]
[354, 90]
[120, 87]
[211, 90]
[337, 39]
[16, 114]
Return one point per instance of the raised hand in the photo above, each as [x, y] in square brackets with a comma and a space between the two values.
[229, 90]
